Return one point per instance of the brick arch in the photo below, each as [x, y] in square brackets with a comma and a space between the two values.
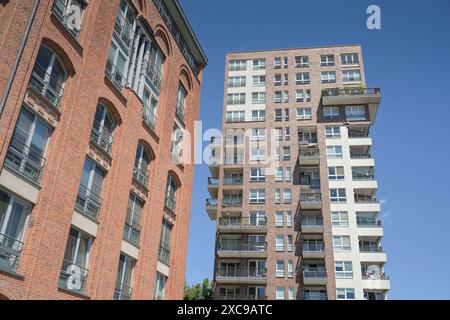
[186, 77]
[177, 179]
[112, 109]
[147, 148]
[162, 37]
[61, 54]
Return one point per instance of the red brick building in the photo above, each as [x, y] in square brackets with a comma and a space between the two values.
[95, 190]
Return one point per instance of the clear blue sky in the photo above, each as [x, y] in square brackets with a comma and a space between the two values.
[409, 58]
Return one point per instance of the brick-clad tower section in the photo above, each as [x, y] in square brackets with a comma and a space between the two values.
[292, 185]
[119, 227]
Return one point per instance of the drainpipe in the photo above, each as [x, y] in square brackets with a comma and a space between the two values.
[19, 55]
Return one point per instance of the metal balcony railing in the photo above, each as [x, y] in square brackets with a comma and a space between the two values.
[211, 203]
[225, 272]
[124, 30]
[312, 221]
[24, 160]
[310, 197]
[154, 75]
[362, 176]
[314, 274]
[10, 252]
[357, 134]
[361, 198]
[181, 112]
[238, 297]
[368, 222]
[49, 87]
[73, 277]
[131, 230]
[308, 154]
[170, 201]
[243, 221]
[102, 137]
[242, 246]
[232, 202]
[164, 254]
[232, 180]
[141, 175]
[114, 75]
[213, 181]
[350, 91]
[64, 14]
[313, 246]
[149, 117]
[88, 202]
[122, 292]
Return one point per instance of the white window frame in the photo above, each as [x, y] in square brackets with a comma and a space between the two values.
[341, 195]
[332, 132]
[342, 219]
[334, 152]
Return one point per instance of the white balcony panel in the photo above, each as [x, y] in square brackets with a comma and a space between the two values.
[376, 284]
[372, 256]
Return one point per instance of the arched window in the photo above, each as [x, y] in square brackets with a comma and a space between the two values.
[142, 161]
[181, 102]
[171, 192]
[48, 76]
[103, 128]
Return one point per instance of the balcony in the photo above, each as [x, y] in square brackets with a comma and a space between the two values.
[10, 252]
[363, 198]
[311, 224]
[374, 281]
[353, 96]
[101, 137]
[232, 202]
[213, 186]
[359, 138]
[368, 222]
[315, 295]
[46, 85]
[180, 111]
[308, 156]
[164, 254]
[236, 249]
[141, 175]
[237, 159]
[371, 252]
[354, 155]
[24, 160]
[232, 297]
[232, 180]
[114, 75]
[306, 181]
[122, 292]
[243, 224]
[72, 277]
[88, 203]
[131, 230]
[310, 200]
[64, 15]
[314, 277]
[241, 275]
[211, 208]
[154, 76]
[313, 250]
[149, 118]
[170, 201]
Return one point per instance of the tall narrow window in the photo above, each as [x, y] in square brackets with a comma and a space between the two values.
[132, 229]
[115, 66]
[141, 163]
[28, 146]
[181, 102]
[70, 14]
[124, 282]
[160, 287]
[150, 107]
[171, 189]
[103, 128]
[90, 190]
[164, 242]
[124, 26]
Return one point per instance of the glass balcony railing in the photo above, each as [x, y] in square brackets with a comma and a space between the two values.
[49, 87]
[238, 297]
[314, 274]
[232, 202]
[122, 292]
[355, 155]
[243, 221]
[10, 252]
[313, 247]
[368, 222]
[88, 203]
[231, 272]
[213, 181]
[232, 180]
[73, 277]
[211, 203]
[320, 295]
[24, 160]
[312, 221]
[370, 247]
[311, 197]
[357, 134]
[361, 198]
[242, 246]
[102, 137]
[309, 154]
[350, 91]
[312, 183]
[363, 176]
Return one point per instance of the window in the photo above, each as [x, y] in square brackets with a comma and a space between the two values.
[286, 118]
[160, 286]
[327, 60]
[308, 95]
[278, 114]
[28, 146]
[176, 151]
[236, 98]
[150, 103]
[277, 80]
[257, 175]
[257, 218]
[277, 63]
[285, 62]
[349, 58]
[344, 269]
[290, 243]
[341, 243]
[307, 137]
[257, 154]
[124, 26]
[335, 173]
[278, 134]
[13, 221]
[304, 114]
[164, 242]
[64, 11]
[351, 76]
[256, 292]
[279, 243]
[181, 102]
[278, 174]
[301, 61]
[279, 293]
[277, 196]
[286, 79]
[88, 200]
[124, 280]
[328, 77]
[234, 82]
[74, 270]
[298, 95]
[258, 134]
[276, 152]
[259, 81]
[257, 196]
[280, 269]
[287, 173]
[258, 97]
[171, 191]
[279, 219]
[290, 268]
[132, 229]
[331, 113]
[117, 61]
[286, 153]
[337, 195]
[141, 163]
[259, 64]
[355, 113]
[237, 65]
[287, 196]
[332, 132]
[370, 295]
[258, 115]
[277, 97]
[302, 78]
[339, 218]
[235, 116]
[291, 293]
[288, 219]
[286, 97]
[49, 76]
[345, 293]
[103, 128]
[334, 152]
